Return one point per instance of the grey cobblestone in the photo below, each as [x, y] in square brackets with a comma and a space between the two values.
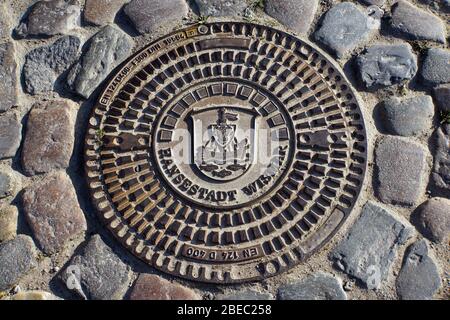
[399, 169]
[297, 15]
[97, 273]
[105, 50]
[371, 245]
[50, 18]
[344, 27]
[49, 137]
[419, 276]
[409, 116]
[43, 65]
[436, 66]
[385, 65]
[434, 219]
[17, 258]
[148, 15]
[415, 24]
[319, 286]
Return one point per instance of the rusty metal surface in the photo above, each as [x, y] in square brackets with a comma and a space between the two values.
[226, 152]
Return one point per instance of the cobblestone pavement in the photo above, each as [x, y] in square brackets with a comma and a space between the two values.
[55, 54]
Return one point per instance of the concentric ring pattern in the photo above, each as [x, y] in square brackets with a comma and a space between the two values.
[293, 90]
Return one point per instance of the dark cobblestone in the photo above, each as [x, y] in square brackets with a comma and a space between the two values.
[43, 65]
[17, 258]
[385, 65]
[419, 276]
[371, 245]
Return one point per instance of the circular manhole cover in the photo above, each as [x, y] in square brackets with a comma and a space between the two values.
[226, 152]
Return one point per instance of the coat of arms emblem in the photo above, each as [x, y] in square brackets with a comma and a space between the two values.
[224, 141]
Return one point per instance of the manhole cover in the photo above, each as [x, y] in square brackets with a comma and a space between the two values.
[226, 152]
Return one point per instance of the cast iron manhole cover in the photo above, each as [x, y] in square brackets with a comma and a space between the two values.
[226, 152]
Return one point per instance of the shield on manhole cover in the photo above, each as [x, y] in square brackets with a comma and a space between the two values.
[226, 152]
